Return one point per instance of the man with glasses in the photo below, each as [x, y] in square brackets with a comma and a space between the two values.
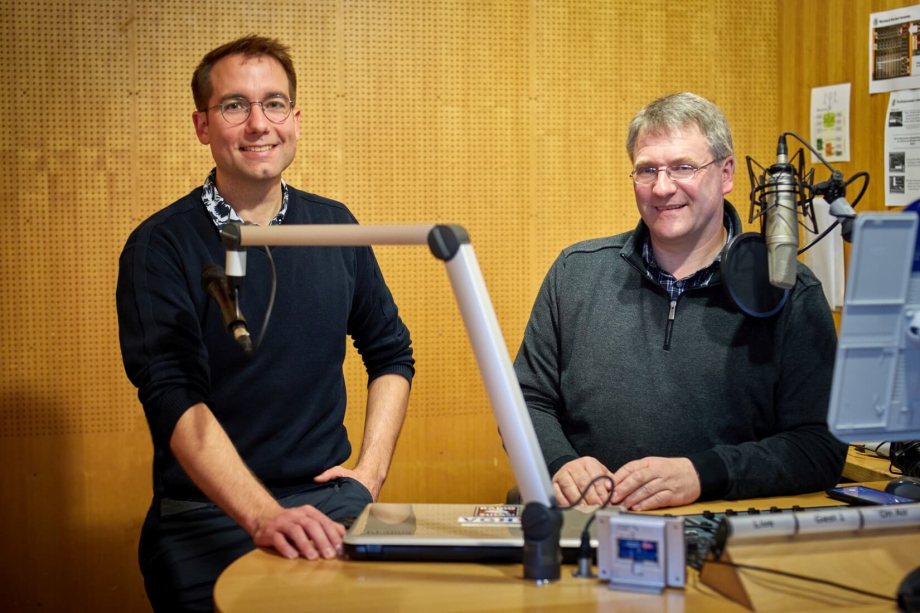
[248, 449]
[636, 366]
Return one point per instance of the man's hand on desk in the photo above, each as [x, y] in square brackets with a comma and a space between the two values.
[301, 531]
[652, 483]
[358, 474]
[570, 480]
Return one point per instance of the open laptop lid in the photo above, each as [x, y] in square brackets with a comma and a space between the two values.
[451, 532]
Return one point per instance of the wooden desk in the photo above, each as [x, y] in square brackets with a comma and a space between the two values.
[862, 467]
[261, 581]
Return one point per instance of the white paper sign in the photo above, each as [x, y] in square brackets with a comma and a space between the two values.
[902, 148]
[825, 258]
[894, 38]
[830, 122]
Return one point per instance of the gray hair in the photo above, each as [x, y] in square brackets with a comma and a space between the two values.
[676, 111]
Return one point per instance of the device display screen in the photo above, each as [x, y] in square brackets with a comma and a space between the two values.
[864, 495]
[641, 551]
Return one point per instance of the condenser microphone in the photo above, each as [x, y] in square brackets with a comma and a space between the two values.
[782, 231]
[215, 282]
[759, 268]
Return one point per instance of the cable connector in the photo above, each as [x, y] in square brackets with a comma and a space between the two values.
[584, 559]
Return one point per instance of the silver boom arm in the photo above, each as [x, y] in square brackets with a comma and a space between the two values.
[452, 245]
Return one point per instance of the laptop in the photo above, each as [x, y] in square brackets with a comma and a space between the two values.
[453, 533]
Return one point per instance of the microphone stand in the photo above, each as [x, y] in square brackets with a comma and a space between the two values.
[542, 526]
[834, 191]
[542, 519]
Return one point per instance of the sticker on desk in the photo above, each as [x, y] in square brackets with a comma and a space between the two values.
[489, 521]
[501, 515]
[497, 510]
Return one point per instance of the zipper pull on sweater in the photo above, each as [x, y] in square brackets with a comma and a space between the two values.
[670, 326]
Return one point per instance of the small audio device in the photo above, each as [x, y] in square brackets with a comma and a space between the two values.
[640, 553]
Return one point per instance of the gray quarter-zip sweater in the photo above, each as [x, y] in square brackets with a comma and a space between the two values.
[745, 399]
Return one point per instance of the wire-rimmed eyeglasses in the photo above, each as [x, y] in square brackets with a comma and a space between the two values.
[236, 110]
[678, 172]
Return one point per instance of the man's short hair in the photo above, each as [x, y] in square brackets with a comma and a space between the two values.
[676, 111]
[248, 46]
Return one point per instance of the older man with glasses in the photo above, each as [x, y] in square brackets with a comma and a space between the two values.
[248, 449]
[636, 366]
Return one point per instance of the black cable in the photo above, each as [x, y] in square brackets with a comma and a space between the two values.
[584, 550]
[693, 524]
[822, 235]
[810, 148]
[906, 458]
[783, 573]
[271, 300]
[858, 175]
[861, 448]
[588, 487]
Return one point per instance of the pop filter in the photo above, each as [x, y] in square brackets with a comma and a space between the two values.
[746, 276]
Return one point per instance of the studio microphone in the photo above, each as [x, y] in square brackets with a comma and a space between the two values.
[759, 268]
[214, 281]
[781, 229]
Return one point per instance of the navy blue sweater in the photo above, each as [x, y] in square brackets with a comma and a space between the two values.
[284, 407]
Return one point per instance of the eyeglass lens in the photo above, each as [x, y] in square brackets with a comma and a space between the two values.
[236, 110]
[678, 172]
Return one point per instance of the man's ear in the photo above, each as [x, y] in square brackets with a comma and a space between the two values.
[728, 175]
[200, 119]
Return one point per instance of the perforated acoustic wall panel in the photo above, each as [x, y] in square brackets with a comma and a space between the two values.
[66, 177]
[507, 117]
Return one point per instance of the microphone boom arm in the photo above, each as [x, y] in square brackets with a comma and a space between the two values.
[451, 244]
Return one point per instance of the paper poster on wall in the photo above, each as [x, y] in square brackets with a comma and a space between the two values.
[830, 122]
[902, 148]
[894, 61]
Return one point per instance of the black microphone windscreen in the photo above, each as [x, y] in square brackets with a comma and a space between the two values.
[746, 276]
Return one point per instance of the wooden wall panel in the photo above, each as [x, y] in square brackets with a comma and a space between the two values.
[506, 116]
[836, 52]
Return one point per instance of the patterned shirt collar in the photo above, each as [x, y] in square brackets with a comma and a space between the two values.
[222, 213]
[676, 287]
